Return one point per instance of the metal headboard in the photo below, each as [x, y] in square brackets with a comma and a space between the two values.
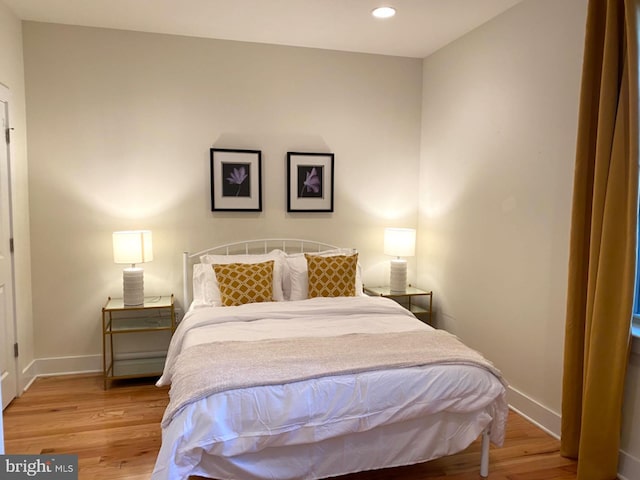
[247, 247]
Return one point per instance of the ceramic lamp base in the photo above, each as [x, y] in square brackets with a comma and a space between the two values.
[133, 286]
[398, 277]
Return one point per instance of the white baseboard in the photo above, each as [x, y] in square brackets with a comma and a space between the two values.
[28, 376]
[535, 412]
[46, 367]
[628, 466]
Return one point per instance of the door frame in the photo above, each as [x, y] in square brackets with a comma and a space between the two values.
[5, 97]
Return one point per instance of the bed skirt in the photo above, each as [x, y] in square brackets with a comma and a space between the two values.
[398, 444]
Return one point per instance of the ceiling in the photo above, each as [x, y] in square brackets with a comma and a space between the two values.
[419, 28]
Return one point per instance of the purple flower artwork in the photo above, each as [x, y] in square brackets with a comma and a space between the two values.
[237, 180]
[310, 181]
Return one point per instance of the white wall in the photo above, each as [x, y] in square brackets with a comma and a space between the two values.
[499, 122]
[120, 126]
[500, 109]
[12, 75]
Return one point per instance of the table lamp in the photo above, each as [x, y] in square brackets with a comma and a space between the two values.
[399, 242]
[131, 247]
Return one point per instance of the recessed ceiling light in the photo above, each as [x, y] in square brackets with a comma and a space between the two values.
[383, 12]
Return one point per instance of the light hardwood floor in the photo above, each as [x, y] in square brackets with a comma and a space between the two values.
[116, 435]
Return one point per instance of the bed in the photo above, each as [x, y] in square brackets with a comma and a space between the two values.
[283, 369]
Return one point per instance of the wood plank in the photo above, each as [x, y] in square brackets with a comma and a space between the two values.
[116, 434]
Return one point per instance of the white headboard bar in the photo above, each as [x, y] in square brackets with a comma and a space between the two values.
[186, 299]
[264, 245]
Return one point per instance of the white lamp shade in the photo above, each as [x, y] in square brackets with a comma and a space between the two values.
[132, 246]
[400, 242]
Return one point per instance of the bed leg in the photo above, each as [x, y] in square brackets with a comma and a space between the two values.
[484, 459]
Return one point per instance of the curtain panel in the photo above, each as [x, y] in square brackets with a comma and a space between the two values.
[603, 241]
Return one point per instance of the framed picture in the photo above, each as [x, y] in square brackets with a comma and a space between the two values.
[236, 180]
[309, 182]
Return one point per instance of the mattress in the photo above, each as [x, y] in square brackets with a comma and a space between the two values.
[302, 429]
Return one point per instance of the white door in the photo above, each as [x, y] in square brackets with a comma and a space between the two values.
[8, 363]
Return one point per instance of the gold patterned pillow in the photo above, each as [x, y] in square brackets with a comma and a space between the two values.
[332, 276]
[242, 283]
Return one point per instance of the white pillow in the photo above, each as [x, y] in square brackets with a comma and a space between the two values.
[206, 291]
[296, 283]
[205, 287]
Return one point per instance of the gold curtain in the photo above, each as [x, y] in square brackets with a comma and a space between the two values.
[603, 241]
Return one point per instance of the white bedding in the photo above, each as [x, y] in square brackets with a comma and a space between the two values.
[236, 434]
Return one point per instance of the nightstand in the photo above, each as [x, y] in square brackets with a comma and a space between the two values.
[157, 314]
[404, 299]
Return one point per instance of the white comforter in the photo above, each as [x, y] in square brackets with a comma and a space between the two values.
[251, 420]
[316, 317]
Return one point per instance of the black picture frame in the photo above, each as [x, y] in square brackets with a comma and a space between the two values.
[310, 182]
[236, 180]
